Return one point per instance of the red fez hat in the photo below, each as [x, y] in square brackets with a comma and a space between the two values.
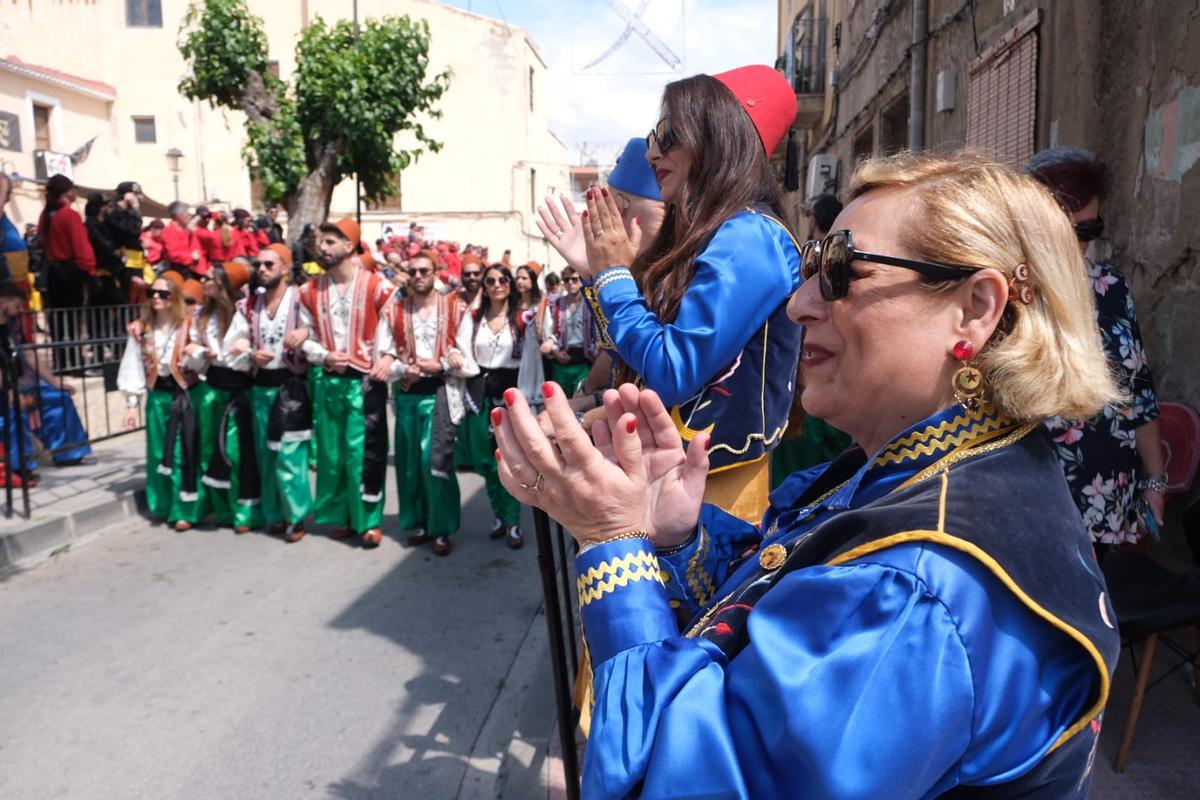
[766, 96]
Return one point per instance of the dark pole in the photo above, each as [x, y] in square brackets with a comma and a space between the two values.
[564, 575]
[558, 660]
[5, 410]
[357, 183]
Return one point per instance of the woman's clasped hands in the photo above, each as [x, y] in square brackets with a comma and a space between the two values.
[636, 475]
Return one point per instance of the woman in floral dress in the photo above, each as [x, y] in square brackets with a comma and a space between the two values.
[1114, 461]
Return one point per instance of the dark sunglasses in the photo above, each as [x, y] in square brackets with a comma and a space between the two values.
[420, 271]
[499, 280]
[469, 275]
[831, 259]
[160, 294]
[190, 301]
[1089, 229]
[662, 134]
[573, 279]
[257, 264]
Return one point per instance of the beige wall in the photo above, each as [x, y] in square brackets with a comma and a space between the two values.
[476, 189]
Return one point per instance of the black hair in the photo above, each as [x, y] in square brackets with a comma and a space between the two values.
[1072, 174]
[824, 209]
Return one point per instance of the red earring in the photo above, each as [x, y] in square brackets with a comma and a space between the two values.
[967, 383]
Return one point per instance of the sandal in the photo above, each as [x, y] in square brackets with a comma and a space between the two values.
[372, 538]
[497, 531]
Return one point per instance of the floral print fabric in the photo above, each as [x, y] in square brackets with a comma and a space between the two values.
[1099, 456]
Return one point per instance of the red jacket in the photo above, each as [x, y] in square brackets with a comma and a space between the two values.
[250, 243]
[214, 249]
[180, 244]
[68, 240]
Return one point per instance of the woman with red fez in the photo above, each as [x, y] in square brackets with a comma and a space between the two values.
[220, 349]
[704, 323]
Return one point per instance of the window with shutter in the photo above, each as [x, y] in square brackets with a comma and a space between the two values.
[1002, 96]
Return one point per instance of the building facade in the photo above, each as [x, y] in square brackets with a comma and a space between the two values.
[113, 71]
[1011, 77]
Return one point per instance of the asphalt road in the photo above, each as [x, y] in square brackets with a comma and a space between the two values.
[151, 664]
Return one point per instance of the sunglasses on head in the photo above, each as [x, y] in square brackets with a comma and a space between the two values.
[1089, 229]
[161, 294]
[495, 280]
[831, 260]
[662, 134]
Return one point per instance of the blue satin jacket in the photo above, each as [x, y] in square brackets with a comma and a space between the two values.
[727, 363]
[906, 671]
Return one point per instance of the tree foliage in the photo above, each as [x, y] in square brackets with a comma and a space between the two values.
[351, 96]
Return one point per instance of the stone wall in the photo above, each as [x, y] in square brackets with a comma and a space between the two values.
[1119, 77]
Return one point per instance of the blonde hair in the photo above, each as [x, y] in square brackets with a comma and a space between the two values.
[1044, 359]
[179, 309]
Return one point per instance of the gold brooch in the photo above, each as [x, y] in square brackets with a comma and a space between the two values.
[772, 557]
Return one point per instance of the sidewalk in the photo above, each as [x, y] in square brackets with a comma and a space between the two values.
[70, 504]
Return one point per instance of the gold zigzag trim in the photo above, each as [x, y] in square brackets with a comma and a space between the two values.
[697, 576]
[610, 567]
[962, 428]
[603, 587]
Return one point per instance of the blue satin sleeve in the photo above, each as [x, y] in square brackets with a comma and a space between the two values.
[741, 277]
[694, 570]
[858, 682]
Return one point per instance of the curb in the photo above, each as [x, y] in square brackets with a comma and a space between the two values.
[53, 531]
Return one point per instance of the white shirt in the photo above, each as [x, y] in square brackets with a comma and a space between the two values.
[271, 330]
[131, 375]
[488, 350]
[239, 328]
[340, 304]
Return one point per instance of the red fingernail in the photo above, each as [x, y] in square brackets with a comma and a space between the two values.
[589, 194]
[631, 426]
[584, 214]
[496, 416]
[604, 192]
[498, 458]
[547, 389]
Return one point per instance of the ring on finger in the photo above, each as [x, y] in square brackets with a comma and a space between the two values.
[536, 486]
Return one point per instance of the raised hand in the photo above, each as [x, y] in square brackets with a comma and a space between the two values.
[604, 235]
[563, 229]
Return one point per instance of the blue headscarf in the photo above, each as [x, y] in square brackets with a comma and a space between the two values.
[633, 174]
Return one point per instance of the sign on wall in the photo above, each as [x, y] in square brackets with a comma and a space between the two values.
[10, 131]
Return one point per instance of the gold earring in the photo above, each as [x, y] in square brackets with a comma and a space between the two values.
[967, 382]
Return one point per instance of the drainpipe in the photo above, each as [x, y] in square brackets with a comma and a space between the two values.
[918, 54]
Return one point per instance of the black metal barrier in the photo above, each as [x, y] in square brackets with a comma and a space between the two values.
[560, 627]
[78, 345]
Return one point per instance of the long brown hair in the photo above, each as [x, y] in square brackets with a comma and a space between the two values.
[179, 310]
[222, 305]
[730, 172]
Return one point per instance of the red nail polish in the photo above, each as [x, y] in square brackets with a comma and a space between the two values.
[589, 194]
[584, 214]
[604, 192]
[631, 426]
[496, 416]
[498, 458]
[510, 397]
[548, 389]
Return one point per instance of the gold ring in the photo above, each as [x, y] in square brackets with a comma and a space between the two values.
[536, 486]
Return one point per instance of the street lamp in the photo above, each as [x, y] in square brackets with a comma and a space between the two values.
[173, 156]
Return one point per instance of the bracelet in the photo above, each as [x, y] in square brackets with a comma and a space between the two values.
[1153, 483]
[632, 534]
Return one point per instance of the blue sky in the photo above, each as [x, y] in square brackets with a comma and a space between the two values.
[618, 98]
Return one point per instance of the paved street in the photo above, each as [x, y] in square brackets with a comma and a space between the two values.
[150, 664]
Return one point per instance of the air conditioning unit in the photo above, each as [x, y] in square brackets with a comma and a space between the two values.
[822, 175]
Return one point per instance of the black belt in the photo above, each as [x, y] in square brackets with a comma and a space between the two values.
[425, 386]
[228, 380]
[272, 377]
[162, 384]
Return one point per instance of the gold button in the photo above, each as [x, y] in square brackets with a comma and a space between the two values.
[772, 557]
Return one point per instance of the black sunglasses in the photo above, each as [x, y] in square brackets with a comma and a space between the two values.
[573, 279]
[831, 259]
[499, 280]
[420, 271]
[161, 294]
[1089, 229]
[475, 275]
[663, 134]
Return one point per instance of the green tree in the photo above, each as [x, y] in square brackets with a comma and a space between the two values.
[351, 95]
